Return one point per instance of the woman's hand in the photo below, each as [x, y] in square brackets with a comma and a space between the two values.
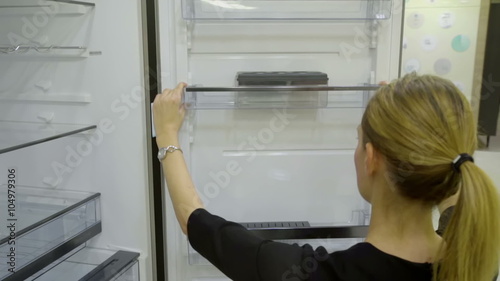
[168, 115]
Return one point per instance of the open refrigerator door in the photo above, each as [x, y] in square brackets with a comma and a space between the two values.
[74, 200]
[276, 92]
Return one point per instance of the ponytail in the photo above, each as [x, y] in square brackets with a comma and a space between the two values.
[420, 124]
[471, 247]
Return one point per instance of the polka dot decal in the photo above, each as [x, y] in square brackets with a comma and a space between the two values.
[461, 43]
[415, 20]
[412, 65]
[442, 66]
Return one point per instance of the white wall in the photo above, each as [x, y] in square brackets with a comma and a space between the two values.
[440, 39]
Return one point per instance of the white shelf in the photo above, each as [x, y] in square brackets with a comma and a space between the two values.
[287, 9]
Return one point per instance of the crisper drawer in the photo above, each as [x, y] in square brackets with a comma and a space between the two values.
[92, 264]
[44, 225]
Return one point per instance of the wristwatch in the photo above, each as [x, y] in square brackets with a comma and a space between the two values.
[162, 153]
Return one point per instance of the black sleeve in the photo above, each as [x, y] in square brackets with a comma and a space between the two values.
[243, 256]
[444, 220]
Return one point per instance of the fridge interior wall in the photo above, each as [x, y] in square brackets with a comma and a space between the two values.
[262, 165]
[102, 89]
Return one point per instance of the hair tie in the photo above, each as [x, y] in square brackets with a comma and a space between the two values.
[464, 157]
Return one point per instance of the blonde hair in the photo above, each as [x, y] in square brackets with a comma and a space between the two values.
[421, 124]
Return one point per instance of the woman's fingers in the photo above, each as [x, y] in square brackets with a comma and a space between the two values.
[178, 92]
[172, 94]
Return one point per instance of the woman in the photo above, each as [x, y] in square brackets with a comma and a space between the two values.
[414, 152]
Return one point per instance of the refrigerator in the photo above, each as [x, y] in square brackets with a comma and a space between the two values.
[276, 92]
[74, 148]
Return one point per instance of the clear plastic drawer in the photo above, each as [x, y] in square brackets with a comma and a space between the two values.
[43, 225]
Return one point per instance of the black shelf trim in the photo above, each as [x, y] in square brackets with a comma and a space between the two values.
[111, 267]
[282, 88]
[58, 136]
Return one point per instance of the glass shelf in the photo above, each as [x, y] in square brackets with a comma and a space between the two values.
[257, 97]
[286, 9]
[45, 51]
[48, 224]
[17, 135]
[41, 3]
[89, 264]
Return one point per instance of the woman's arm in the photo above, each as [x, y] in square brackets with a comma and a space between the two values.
[168, 117]
[237, 252]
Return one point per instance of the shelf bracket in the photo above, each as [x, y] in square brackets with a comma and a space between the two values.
[189, 33]
[373, 30]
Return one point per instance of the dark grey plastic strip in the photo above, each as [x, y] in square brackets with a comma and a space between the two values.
[282, 88]
[42, 140]
[311, 232]
[111, 267]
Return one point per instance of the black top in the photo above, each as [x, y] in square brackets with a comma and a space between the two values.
[243, 256]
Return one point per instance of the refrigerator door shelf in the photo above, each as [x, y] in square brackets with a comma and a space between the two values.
[287, 9]
[262, 97]
[44, 225]
[18, 135]
[92, 264]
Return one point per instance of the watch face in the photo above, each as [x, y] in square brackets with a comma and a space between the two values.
[161, 154]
